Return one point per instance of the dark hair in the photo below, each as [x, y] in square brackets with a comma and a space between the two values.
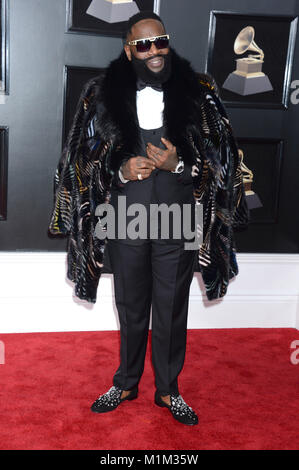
[142, 15]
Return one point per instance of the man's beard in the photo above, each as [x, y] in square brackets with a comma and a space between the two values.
[149, 77]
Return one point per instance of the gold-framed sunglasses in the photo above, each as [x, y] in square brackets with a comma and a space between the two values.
[144, 45]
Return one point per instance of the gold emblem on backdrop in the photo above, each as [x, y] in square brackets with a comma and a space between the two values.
[112, 11]
[253, 199]
[248, 78]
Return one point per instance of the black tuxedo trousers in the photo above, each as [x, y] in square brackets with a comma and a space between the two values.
[152, 275]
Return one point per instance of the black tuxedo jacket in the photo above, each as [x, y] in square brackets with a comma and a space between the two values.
[161, 187]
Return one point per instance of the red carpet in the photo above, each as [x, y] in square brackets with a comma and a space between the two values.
[241, 383]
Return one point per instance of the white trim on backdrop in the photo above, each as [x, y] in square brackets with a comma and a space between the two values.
[36, 297]
[157, 4]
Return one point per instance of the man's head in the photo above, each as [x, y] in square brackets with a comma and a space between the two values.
[152, 65]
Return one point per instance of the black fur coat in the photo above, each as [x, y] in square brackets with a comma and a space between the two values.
[105, 132]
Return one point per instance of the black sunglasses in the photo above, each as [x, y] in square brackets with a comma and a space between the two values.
[144, 45]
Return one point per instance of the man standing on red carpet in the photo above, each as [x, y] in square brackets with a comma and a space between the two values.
[151, 131]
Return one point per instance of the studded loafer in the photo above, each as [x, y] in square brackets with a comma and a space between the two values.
[178, 408]
[111, 399]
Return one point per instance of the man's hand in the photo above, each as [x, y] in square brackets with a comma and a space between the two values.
[136, 165]
[163, 159]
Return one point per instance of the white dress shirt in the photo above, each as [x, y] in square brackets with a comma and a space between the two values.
[150, 107]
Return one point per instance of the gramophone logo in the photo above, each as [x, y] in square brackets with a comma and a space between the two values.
[112, 11]
[248, 78]
[252, 199]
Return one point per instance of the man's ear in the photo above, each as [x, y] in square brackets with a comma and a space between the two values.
[128, 52]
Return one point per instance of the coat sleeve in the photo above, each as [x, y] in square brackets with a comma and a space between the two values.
[67, 179]
[116, 179]
[241, 213]
[224, 202]
[239, 207]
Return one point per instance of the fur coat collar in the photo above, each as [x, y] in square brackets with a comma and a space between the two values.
[182, 97]
[105, 130]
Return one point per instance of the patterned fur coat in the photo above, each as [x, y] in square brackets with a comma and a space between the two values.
[105, 132]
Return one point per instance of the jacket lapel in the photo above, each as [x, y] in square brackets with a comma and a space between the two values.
[116, 111]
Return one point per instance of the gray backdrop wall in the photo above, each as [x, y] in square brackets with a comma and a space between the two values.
[39, 50]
